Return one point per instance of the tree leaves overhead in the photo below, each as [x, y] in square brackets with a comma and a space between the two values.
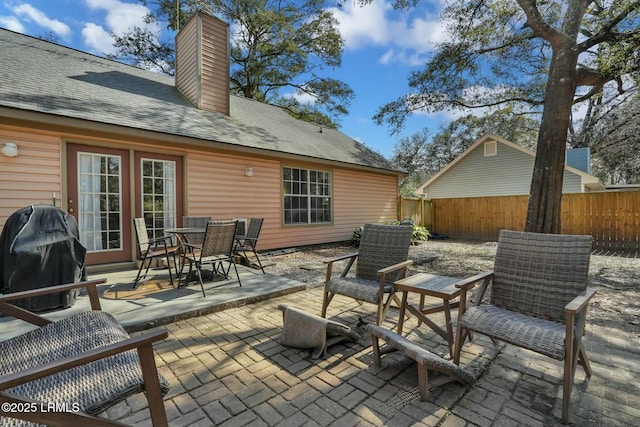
[494, 57]
[279, 51]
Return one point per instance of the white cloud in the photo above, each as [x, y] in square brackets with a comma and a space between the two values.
[409, 35]
[97, 38]
[120, 17]
[12, 23]
[302, 98]
[31, 14]
[361, 26]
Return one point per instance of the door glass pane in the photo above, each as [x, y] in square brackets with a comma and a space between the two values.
[158, 195]
[99, 195]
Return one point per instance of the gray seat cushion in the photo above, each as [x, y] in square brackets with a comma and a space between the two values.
[93, 386]
[539, 335]
[360, 289]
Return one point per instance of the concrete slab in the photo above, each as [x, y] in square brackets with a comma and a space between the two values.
[168, 305]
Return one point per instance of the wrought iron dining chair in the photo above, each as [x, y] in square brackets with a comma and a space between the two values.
[538, 300]
[382, 260]
[152, 248]
[248, 242]
[217, 248]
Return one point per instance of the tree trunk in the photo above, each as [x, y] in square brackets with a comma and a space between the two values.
[545, 197]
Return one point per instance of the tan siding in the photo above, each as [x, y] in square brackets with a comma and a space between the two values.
[187, 67]
[217, 187]
[202, 63]
[364, 197]
[215, 65]
[33, 176]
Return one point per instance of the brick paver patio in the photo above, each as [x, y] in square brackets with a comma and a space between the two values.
[227, 368]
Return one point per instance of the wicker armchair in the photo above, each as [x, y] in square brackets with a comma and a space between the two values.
[382, 259]
[538, 299]
[63, 373]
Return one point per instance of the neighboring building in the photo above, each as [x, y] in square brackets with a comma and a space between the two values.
[108, 142]
[493, 166]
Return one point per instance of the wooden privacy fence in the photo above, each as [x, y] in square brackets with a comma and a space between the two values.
[612, 218]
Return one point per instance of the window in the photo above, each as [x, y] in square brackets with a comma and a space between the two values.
[158, 195]
[99, 189]
[307, 196]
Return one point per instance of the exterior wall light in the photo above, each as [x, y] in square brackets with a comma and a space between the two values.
[10, 149]
[248, 171]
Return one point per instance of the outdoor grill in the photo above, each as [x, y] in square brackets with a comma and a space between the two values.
[40, 248]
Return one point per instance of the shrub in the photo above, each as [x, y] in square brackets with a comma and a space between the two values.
[419, 234]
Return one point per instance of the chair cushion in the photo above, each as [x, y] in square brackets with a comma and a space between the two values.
[360, 289]
[93, 386]
[539, 335]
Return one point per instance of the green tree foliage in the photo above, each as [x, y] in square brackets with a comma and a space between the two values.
[615, 141]
[278, 51]
[411, 155]
[141, 47]
[532, 55]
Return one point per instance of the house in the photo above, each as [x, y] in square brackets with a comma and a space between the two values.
[493, 166]
[108, 142]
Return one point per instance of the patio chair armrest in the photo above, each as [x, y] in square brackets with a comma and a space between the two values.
[394, 267]
[10, 309]
[580, 302]
[139, 341]
[351, 257]
[470, 282]
[465, 285]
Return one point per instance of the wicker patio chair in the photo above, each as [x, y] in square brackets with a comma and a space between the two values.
[65, 372]
[150, 249]
[382, 259]
[538, 300]
[218, 245]
[248, 242]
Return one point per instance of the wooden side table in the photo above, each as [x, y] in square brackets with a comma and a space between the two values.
[426, 284]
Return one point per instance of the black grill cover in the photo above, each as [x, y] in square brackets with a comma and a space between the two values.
[40, 248]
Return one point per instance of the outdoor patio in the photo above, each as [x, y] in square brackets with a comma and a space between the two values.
[226, 367]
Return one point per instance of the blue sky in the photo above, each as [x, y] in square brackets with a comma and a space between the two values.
[382, 47]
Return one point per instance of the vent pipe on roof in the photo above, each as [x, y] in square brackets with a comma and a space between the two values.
[202, 62]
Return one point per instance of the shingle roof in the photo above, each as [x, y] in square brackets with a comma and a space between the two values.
[44, 77]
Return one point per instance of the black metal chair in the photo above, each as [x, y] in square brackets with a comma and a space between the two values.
[150, 249]
[218, 245]
[382, 260]
[248, 242]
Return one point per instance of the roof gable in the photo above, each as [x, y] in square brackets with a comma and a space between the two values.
[585, 178]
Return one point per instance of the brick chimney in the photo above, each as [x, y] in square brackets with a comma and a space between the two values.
[202, 63]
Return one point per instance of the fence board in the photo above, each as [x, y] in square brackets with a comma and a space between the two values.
[612, 218]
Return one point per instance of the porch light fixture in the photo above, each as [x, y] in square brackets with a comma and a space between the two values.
[10, 149]
[248, 171]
